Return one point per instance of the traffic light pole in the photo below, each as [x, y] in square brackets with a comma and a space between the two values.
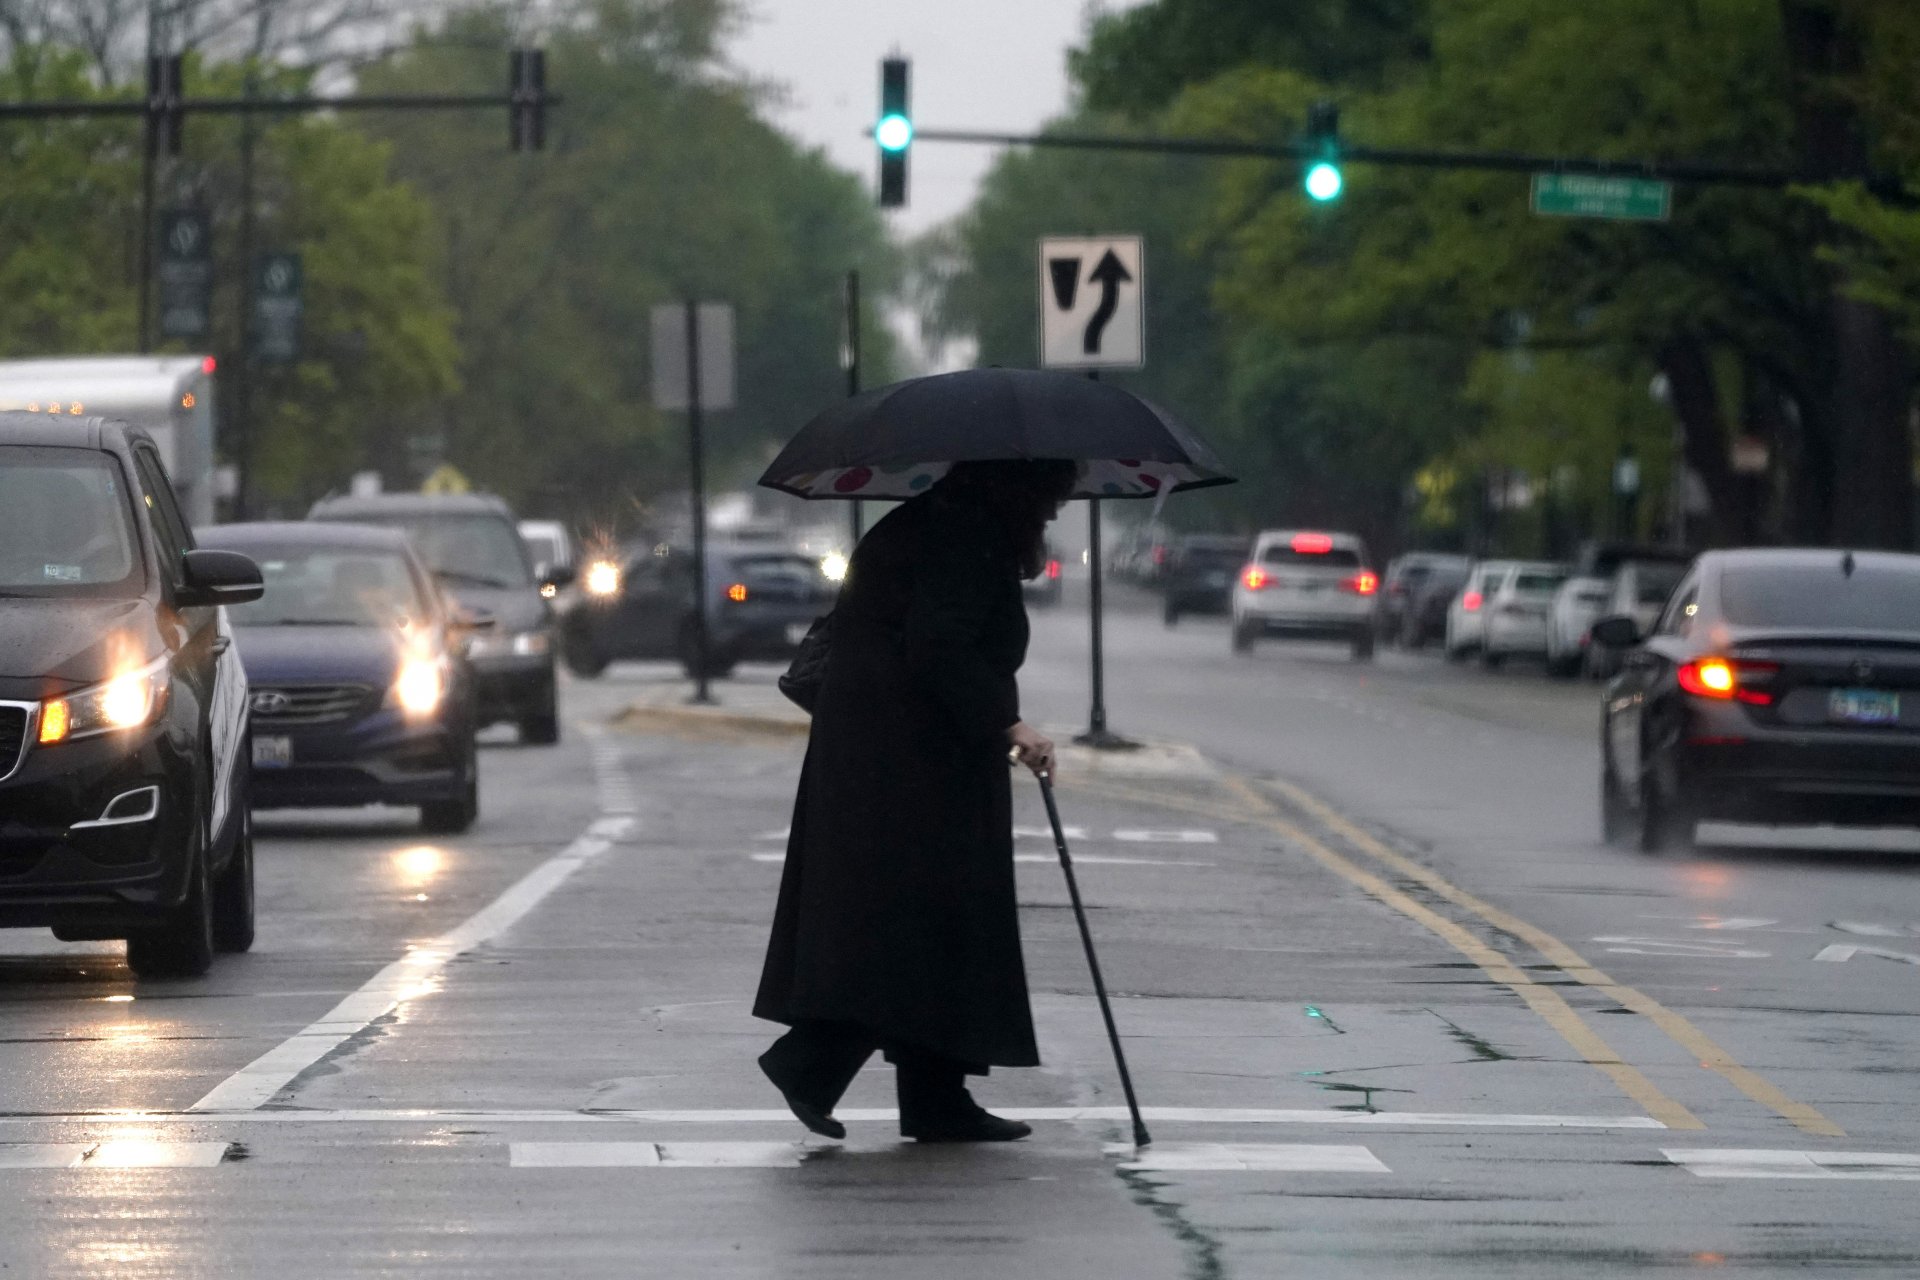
[697, 491]
[853, 381]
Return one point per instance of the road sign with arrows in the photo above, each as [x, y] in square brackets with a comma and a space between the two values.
[1092, 302]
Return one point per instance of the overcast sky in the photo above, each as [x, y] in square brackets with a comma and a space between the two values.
[985, 64]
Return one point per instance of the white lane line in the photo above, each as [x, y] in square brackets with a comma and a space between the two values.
[1167, 837]
[409, 978]
[1246, 1157]
[1854, 1166]
[656, 1155]
[1170, 1115]
[1046, 833]
[119, 1153]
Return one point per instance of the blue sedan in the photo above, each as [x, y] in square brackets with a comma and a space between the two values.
[361, 693]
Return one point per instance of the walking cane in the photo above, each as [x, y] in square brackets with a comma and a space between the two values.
[1140, 1138]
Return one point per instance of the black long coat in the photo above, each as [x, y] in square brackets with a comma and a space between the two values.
[897, 907]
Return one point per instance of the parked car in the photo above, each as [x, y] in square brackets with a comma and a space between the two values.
[1306, 584]
[1775, 686]
[760, 602]
[1467, 611]
[1044, 590]
[1425, 616]
[1582, 598]
[1639, 589]
[360, 690]
[473, 547]
[1200, 574]
[1514, 618]
[123, 707]
[1401, 587]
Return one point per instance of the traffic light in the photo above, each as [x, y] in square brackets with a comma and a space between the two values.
[894, 132]
[527, 99]
[1324, 181]
[164, 78]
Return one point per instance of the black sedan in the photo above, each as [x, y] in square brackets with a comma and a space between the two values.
[123, 707]
[760, 601]
[1199, 575]
[360, 692]
[1776, 686]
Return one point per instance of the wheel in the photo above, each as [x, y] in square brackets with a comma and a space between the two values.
[1243, 634]
[1363, 645]
[1171, 614]
[1491, 658]
[1563, 668]
[1661, 827]
[720, 663]
[581, 654]
[543, 728]
[1413, 635]
[451, 817]
[182, 946]
[233, 893]
[1616, 820]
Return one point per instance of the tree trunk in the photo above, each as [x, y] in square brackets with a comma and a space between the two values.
[1703, 435]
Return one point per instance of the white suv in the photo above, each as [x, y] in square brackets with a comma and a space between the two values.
[1308, 585]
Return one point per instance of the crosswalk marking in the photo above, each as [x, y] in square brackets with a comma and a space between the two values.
[1246, 1157]
[1079, 859]
[1167, 837]
[656, 1155]
[117, 1153]
[1846, 1165]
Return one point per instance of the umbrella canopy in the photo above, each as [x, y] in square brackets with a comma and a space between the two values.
[893, 442]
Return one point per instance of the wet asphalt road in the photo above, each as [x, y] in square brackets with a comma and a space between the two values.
[1396, 1012]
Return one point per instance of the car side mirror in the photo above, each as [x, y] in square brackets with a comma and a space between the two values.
[554, 577]
[1616, 632]
[210, 578]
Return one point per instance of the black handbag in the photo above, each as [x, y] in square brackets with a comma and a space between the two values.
[808, 670]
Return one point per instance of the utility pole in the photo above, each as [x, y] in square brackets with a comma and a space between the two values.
[853, 378]
[697, 484]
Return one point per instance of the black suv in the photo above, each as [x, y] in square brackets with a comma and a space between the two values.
[123, 707]
[473, 546]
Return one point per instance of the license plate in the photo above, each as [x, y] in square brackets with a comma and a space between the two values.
[797, 631]
[272, 752]
[1216, 579]
[1863, 706]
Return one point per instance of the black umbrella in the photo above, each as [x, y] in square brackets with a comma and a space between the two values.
[893, 442]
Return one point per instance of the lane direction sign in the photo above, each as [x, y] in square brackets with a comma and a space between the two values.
[1092, 302]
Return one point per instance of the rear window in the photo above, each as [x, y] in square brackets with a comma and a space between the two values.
[1335, 558]
[1653, 583]
[1539, 583]
[1879, 597]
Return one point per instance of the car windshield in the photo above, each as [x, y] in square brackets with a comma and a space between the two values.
[1335, 558]
[1874, 597]
[1538, 584]
[1653, 583]
[331, 587]
[466, 550]
[65, 526]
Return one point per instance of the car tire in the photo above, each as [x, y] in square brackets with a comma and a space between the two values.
[233, 913]
[1242, 637]
[1363, 645]
[181, 946]
[452, 817]
[543, 729]
[1616, 818]
[1659, 826]
[582, 655]
[1563, 668]
[1170, 615]
[1491, 658]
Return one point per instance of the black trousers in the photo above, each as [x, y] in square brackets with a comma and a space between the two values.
[819, 1059]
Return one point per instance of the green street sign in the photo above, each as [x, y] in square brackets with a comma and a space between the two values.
[1586, 195]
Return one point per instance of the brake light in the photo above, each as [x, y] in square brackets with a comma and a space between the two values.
[1312, 544]
[1159, 556]
[1361, 584]
[209, 365]
[1722, 680]
[1053, 570]
[1472, 601]
[737, 593]
[1255, 577]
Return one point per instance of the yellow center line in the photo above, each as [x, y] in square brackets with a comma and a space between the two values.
[1544, 1001]
[1678, 1028]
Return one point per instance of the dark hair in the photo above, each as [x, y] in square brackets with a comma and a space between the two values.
[1025, 493]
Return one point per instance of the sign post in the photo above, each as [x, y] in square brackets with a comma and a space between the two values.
[186, 274]
[693, 371]
[1093, 317]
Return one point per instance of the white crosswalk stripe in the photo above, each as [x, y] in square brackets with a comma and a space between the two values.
[1246, 1157]
[1854, 1166]
[117, 1153]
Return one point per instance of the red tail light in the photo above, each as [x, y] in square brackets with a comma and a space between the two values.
[1053, 570]
[737, 593]
[1472, 601]
[1255, 577]
[1722, 680]
[1363, 583]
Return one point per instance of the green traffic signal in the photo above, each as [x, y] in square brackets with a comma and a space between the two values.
[1324, 181]
[893, 133]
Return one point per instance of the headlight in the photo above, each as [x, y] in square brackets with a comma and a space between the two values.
[420, 686]
[521, 644]
[127, 701]
[603, 578]
[530, 644]
[834, 567]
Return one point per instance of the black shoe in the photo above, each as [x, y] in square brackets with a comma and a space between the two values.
[982, 1126]
[818, 1119]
